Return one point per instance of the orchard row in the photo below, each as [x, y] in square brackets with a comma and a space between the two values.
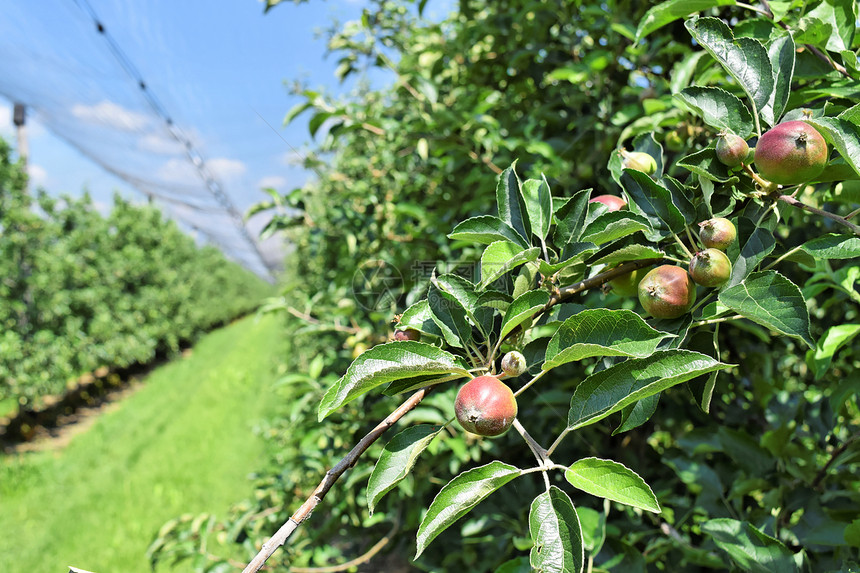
[82, 291]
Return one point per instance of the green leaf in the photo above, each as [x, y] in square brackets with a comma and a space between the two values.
[450, 316]
[681, 198]
[770, 299]
[749, 548]
[842, 16]
[705, 164]
[501, 257]
[667, 12]
[636, 414]
[757, 246]
[852, 533]
[512, 209]
[613, 481]
[608, 391]
[538, 200]
[781, 54]
[635, 252]
[654, 202]
[719, 109]
[614, 225]
[602, 332]
[556, 534]
[386, 363]
[682, 72]
[420, 318]
[465, 293]
[835, 338]
[486, 229]
[812, 31]
[744, 58]
[459, 496]
[833, 246]
[522, 309]
[844, 135]
[593, 525]
[295, 111]
[397, 460]
[571, 218]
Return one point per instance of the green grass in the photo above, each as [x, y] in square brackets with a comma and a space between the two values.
[183, 443]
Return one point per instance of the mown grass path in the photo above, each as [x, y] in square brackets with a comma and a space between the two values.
[182, 443]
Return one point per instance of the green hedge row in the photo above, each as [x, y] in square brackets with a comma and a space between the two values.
[80, 290]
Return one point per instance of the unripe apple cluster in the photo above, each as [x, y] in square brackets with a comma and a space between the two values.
[669, 291]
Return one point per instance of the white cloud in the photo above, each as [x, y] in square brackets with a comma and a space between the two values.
[110, 114]
[161, 144]
[178, 171]
[293, 157]
[227, 168]
[37, 173]
[182, 171]
[271, 181]
[6, 128]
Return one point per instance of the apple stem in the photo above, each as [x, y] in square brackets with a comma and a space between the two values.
[782, 257]
[690, 234]
[530, 382]
[701, 303]
[717, 320]
[683, 246]
[682, 261]
[765, 185]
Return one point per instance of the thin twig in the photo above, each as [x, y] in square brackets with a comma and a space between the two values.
[822, 473]
[537, 450]
[597, 280]
[752, 8]
[331, 476]
[377, 547]
[840, 220]
[308, 318]
[716, 320]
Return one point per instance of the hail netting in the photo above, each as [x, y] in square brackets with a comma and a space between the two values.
[60, 60]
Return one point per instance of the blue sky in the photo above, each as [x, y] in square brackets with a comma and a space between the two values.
[214, 65]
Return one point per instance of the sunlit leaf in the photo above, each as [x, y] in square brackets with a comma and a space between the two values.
[397, 460]
[556, 534]
[749, 548]
[613, 481]
[459, 496]
[771, 300]
[602, 332]
[386, 363]
[608, 391]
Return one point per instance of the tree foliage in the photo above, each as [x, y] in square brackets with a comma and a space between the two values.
[456, 203]
[82, 290]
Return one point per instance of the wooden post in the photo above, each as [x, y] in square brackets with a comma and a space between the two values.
[19, 118]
